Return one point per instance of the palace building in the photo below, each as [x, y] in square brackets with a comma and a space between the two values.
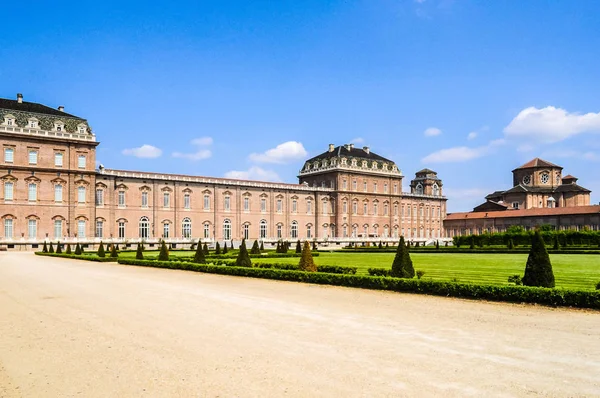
[52, 191]
[540, 195]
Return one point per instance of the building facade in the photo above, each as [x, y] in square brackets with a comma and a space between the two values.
[540, 195]
[51, 191]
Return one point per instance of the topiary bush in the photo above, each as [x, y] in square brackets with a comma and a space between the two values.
[262, 247]
[217, 248]
[139, 254]
[100, 251]
[205, 249]
[58, 248]
[255, 249]
[68, 251]
[45, 248]
[113, 251]
[78, 249]
[298, 247]
[224, 248]
[199, 257]
[50, 248]
[163, 255]
[402, 267]
[538, 270]
[307, 263]
[243, 259]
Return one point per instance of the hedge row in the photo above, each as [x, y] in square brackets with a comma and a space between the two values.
[565, 238]
[478, 250]
[518, 294]
[266, 255]
[86, 257]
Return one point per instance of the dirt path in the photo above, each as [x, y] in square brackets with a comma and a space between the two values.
[71, 328]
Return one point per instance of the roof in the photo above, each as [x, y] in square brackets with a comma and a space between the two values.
[537, 162]
[490, 205]
[426, 171]
[32, 107]
[494, 194]
[571, 188]
[569, 177]
[344, 150]
[537, 212]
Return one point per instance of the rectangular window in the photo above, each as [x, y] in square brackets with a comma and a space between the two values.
[345, 184]
[309, 232]
[121, 229]
[354, 185]
[121, 198]
[263, 205]
[365, 208]
[8, 228]
[99, 197]
[206, 231]
[246, 204]
[58, 193]
[385, 188]
[166, 199]
[345, 207]
[279, 231]
[9, 155]
[375, 208]
[166, 227]
[8, 191]
[81, 161]
[515, 205]
[294, 206]
[395, 188]
[187, 202]
[144, 199]
[227, 204]
[32, 229]
[309, 207]
[375, 187]
[365, 186]
[206, 202]
[99, 229]
[396, 210]
[81, 195]
[324, 207]
[279, 206]
[33, 157]
[58, 159]
[32, 192]
[81, 229]
[354, 207]
[385, 209]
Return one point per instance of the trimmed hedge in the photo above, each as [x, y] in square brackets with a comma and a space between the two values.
[518, 294]
[90, 257]
[446, 250]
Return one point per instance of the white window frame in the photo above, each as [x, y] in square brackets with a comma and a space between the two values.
[9, 155]
[121, 229]
[58, 193]
[81, 162]
[81, 227]
[32, 156]
[145, 199]
[9, 228]
[58, 159]
[9, 190]
[99, 197]
[81, 193]
[58, 229]
[99, 228]
[121, 198]
[32, 192]
[187, 201]
[32, 228]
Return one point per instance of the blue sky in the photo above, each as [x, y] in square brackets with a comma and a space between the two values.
[471, 89]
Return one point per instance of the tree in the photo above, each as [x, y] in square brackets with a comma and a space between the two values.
[45, 248]
[58, 247]
[139, 254]
[538, 270]
[262, 247]
[217, 248]
[402, 267]
[225, 248]
[205, 249]
[306, 259]
[437, 245]
[243, 259]
[100, 251]
[78, 249]
[199, 256]
[556, 243]
[255, 249]
[113, 251]
[298, 247]
[50, 248]
[163, 255]
[472, 242]
[68, 249]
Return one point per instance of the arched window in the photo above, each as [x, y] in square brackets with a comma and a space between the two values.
[246, 231]
[263, 229]
[436, 189]
[419, 189]
[144, 228]
[186, 228]
[206, 230]
[354, 230]
[294, 231]
[226, 229]
[309, 231]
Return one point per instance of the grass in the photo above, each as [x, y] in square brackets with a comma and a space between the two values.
[575, 271]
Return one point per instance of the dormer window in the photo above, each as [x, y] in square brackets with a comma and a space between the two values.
[394, 168]
[316, 165]
[354, 162]
[59, 126]
[436, 190]
[384, 166]
[82, 128]
[324, 163]
[374, 166]
[419, 189]
[32, 123]
[344, 161]
[9, 120]
[307, 167]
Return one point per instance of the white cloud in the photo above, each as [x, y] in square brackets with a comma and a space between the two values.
[357, 140]
[550, 124]
[472, 135]
[145, 151]
[282, 153]
[200, 154]
[432, 132]
[254, 173]
[461, 153]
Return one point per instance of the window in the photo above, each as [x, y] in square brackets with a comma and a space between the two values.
[436, 190]
[121, 229]
[99, 197]
[144, 199]
[81, 194]
[8, 228]
[246, 204]
[81, 229]
[279, 206]
[309, 206]
[187, 201]
[227, 230]
[263, 205]
[345, 207]
[33, 157]
[99, 228]
[121, 198]
[344, 184]
[408, 210]
[375, 187]
[8, 191]
[396, 209]
[58, 159]
[385, 188]
[354, 185]
[263, 229]
[279, 231]
[32, 192]
[309, 231]
[294, 206]
[345, 231]
[206, 230]
[206, 202]
[58, 229]
[365, 208]
[294, 231]
[385, 209]
[166, 199]
[515, 205]
[81, 161]
[365, 230]
[354, 231]
[395, 188]
[186, 228]
[227, 204]
[58, 193]
[365, 186]
[166, 229]
[419, 189]
[325, 208]
[31, 229]
[354, 207]
[246, 231]
[9, 155]
[375, 208]
[144, 228]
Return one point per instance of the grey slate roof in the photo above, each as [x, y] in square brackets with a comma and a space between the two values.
[342, 150]
[32, 107]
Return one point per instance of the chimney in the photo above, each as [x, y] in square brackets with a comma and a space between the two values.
[366, 149]
[61, 108]
[351, 146]
[20, 98]
[331, 146]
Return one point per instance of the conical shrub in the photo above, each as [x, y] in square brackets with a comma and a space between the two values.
[402, 267]
[262, 247]
[50, 248]
[538, 270]
[58, 248]
[100, 251]
[113, 251]
[78, 249]
[163, 255]
[255, 249]
[68, 251]
[225, 248]
[139, 254]
[199, 256]
[243, 259]
[45, 248]
[205, 249]
[307, 262]
[217, 248]
[298, 247]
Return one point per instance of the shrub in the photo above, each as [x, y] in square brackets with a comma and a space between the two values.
[224, 248]
[472, 242]
[50, 248]
[217, 248]
[243, 259]
[163, 255]
[78, 249]
[113, 251]
[262, 247]
[538, 270]
[205, 249]
[199, 257]
[516, 279]
[298, 247]
[314, 245]
[68, 249]
[278, 248]
[139, 254]
[45, 248]
[82, 249]
[58, 248]
[556, 243]
[510, 244]
[100, 251]
[598, 286]
[402, 267]
[306, 261]
[255, 249]
[380, 246]
[420, 274]
[437, 245]
[336, 269]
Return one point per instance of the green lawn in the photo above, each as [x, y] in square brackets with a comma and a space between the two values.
[580, 271]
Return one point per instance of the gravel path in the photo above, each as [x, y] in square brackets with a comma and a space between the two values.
[70, 328]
